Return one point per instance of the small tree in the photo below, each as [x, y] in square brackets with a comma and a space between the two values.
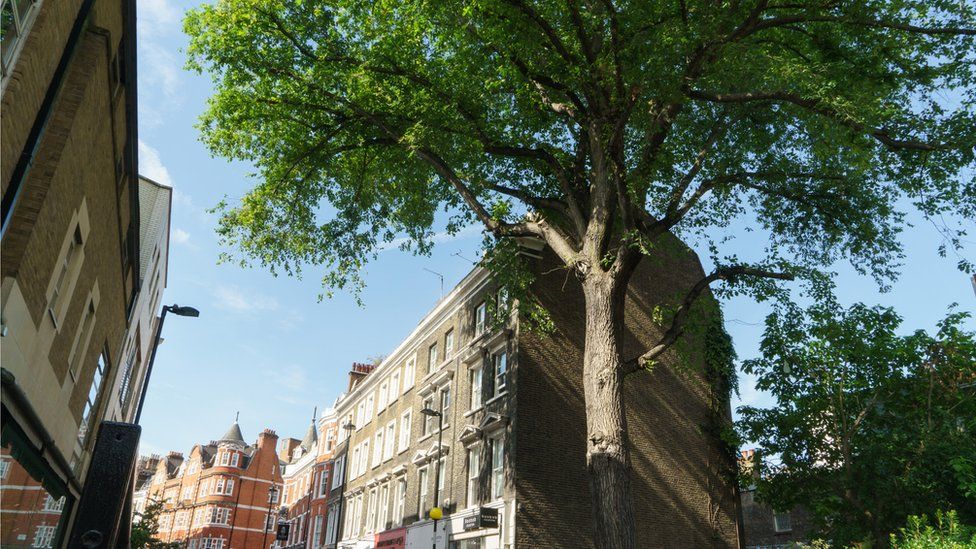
[599, 127]
[144, 530]
[867, 422]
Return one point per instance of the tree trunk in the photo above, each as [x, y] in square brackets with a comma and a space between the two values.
[607, 452]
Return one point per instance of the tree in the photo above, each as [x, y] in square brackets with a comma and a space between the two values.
[866, 423]
[598, 127]
[144, 530]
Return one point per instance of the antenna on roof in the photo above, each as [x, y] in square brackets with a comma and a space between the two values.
[439, 275]
[458, 254]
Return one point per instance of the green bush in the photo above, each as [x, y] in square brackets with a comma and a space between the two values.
[947, 533]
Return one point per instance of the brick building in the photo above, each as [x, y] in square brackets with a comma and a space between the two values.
[307, 469]
[83, 253]
[764, 527]
[219, 496]
[511, 461]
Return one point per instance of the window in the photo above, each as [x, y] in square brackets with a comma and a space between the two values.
[404, 431]
[17, 20]
[212, 543]
[358, 518]
[428, 420]
[394, 385]
[224, 486]
[381, 399]
[400, 501]
[4, 468]
[500, 363]
[371, 511]
[384, 508]
[360, 414]
[235, 459]
[449, 343]
[269, 522]
[355, 462]
[431, 358]
[446, 402]
[91, 403]
[369, 409]
[44, 535]
[480, 317]
[131, 363]
[224, 457]
[198, 517]
[182, 520]
[501, 303]
[378, 448]
[781, 522]
[219, 515]
[390, 440]
[338, 470]
[317, 532]
[187, 493]
[441, 473]
[79, 346]
[323, 483]
[474, 473]
[422, 486]
[408, 373]
[331, 524]
[475, 377]
[364, 457]
[68, 269]
[497, 467]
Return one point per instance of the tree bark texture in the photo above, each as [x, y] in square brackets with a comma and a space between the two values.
[607, 453]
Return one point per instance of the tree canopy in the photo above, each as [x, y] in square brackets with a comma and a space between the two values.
[868, 426]
[609, 122]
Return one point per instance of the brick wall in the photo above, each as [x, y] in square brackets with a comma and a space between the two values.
[682, 497]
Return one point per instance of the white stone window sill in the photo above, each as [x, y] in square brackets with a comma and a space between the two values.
[497, 397]
[474, 411]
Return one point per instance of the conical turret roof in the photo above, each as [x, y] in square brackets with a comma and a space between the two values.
[233, 434]
[311, 437]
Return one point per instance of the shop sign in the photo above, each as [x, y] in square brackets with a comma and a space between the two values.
[487, 517]
[392, 539]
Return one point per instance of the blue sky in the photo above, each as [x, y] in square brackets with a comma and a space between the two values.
[266, 346]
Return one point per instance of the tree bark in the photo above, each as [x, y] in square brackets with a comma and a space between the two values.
[607, 452]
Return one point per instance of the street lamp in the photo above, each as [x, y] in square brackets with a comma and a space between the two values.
[436, 513]
[176, 310]
[267, 521]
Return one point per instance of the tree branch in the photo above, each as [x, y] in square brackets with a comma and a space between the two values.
[817, 107]
[681, 315]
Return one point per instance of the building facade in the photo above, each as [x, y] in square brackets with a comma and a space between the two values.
[83, 253]
[307, 475]
[764, 527]
[225, 494]
[487, 420]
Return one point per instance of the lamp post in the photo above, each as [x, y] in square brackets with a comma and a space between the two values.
[267, 521]
[126, 527]
[176, 310]
[436, 513]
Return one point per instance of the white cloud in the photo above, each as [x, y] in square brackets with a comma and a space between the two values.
[156, 17]
[151, 166]
[294, 378]
[180, 236]
[231, 298]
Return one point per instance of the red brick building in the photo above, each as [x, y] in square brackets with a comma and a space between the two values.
[224, 494]
[307, 477]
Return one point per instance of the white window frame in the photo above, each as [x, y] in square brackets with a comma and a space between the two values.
[409, 373]
[381, 399]
[401, 501]
[480, 318]
[371, 512]
[432, 359]
[44, 536]
[497, 467]
[394, 390]
[378, 446]
[449, 344]
[476, 378]
[383, 513]
[779, 519]
[389, 444]
[474, 475]
[500, 381]
[405, 430]
[423, 491]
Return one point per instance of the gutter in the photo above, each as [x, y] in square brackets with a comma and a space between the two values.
[25, 161]
[23, 404]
